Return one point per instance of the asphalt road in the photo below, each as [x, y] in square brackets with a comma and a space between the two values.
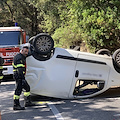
[103, 107]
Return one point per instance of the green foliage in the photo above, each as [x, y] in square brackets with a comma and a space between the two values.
[21, 11]
[99, 21]
[65, 36]
[70, 22]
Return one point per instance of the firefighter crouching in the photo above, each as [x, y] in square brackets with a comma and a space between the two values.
[19, 76]
[1, 68]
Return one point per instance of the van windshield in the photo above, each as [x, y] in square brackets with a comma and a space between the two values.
[10, 37]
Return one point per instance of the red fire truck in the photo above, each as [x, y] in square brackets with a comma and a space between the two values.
[10, 40]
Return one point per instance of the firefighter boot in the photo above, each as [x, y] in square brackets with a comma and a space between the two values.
[17, 105]
[28, 102]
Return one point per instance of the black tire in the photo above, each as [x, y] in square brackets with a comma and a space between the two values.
[116, 57]
[31, 40]
[39, 57]
[43, 43]
[103, 52]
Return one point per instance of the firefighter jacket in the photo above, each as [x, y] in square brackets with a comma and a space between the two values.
[1, 67]
[19, 66]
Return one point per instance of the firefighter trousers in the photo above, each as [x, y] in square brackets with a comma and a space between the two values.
[21, 84]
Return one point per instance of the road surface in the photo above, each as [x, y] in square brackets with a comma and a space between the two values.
[103, 107]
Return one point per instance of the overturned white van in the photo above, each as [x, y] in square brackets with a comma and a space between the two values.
[65, 73]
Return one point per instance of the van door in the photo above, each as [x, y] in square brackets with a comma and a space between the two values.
[90, 77]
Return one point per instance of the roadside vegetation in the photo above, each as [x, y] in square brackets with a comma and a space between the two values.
[94, 23]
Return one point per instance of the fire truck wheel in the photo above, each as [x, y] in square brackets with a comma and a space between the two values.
[116, 57]
[43, 43]
[103, 52]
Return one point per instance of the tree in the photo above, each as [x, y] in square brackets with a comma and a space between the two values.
[6, 13]
[21, 11]
[70, 22]
[99, 22]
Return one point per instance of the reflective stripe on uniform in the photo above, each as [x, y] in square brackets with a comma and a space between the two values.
[26, 93]
[1, 77]
[14, 65]
[16, 97]
[20, 65]
[1, 67]
[17, 66]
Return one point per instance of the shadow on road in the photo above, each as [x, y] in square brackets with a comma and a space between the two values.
[110, 93]
[102, 107]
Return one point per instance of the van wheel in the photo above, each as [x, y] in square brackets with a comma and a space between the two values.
[103, 52]
[116, 57]
[31, 40]
[40, 57]
[43, 43]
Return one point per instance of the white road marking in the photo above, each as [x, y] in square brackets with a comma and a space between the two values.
[55, 111]
[52, 108]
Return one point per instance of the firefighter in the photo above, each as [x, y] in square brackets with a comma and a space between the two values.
[19, 76]
[1, 68]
